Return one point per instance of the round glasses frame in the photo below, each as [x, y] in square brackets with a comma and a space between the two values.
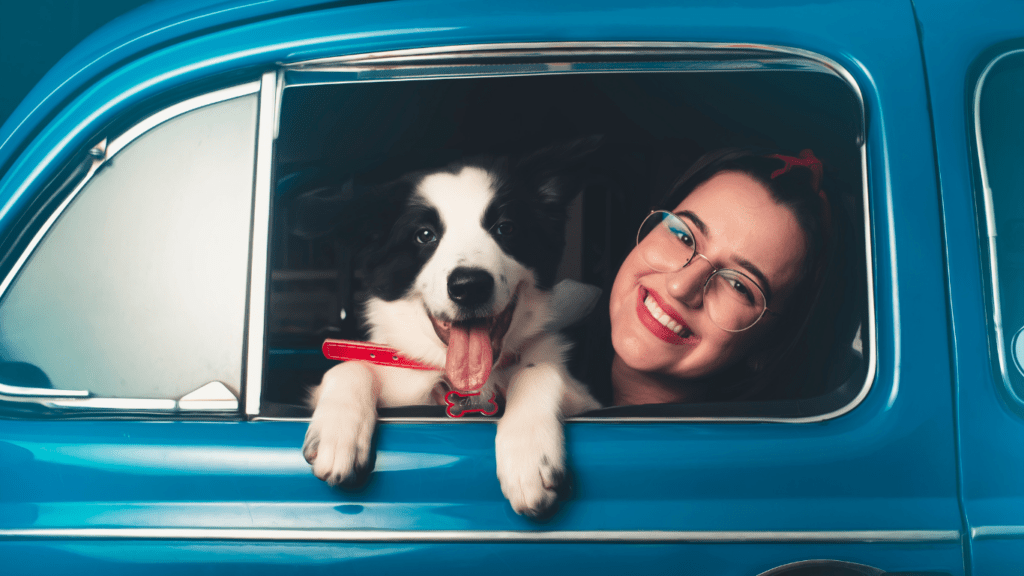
[662, 215]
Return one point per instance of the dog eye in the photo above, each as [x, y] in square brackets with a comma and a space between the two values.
[425, 236]
[505, 228]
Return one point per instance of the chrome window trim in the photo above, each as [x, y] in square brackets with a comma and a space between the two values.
[997, 532]
[177, 110]
[85, 405]
[160, 404]
[259, 277]
[458, 62]
[7, 390]
[101, 153]
[211, 398]
[990, 225]
[459, 536]
[416, 63]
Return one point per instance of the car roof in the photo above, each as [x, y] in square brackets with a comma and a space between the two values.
[127, 37]
[161, 23]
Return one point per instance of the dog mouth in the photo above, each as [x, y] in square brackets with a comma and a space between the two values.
[473, 347]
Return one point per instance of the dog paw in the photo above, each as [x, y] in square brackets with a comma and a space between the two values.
[338, 443]
[531, 464]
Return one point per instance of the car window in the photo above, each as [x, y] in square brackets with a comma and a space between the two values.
[999, 123]
[138, 289]
[341, 134]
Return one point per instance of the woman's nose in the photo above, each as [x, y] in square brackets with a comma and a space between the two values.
[687, 284]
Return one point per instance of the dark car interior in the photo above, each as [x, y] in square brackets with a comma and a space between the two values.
[335, 139]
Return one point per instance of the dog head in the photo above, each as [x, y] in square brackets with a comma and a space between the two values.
[447, 255]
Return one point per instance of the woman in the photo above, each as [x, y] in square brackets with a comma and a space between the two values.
[721, 298]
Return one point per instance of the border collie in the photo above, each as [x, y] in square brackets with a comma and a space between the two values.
[457, 274]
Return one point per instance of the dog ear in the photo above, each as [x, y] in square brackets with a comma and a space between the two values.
[320, 210]
[562, 170]
[352, 212]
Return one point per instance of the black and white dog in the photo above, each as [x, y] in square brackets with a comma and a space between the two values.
[458, 274]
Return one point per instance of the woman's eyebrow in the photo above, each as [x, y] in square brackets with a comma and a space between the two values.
[696, 221]
[753, 269]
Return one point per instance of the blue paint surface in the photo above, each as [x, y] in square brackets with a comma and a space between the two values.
[928, 448]
[959, 41]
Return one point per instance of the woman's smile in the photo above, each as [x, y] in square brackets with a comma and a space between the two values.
[662, 320]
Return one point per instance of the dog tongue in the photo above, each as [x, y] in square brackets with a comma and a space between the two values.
[469, 359]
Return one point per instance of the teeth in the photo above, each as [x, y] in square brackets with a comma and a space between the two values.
[664, 318]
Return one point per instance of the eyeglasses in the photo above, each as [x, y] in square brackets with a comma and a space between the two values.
[733, 300]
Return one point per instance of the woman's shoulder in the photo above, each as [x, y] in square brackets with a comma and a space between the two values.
[580, 312]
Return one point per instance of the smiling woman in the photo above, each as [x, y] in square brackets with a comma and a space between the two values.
[720, 297]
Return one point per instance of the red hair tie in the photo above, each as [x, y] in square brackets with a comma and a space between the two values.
[807, 160]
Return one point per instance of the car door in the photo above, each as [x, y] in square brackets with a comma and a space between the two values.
[973, 57]
[864, 485]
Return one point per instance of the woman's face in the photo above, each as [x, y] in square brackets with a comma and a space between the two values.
[736, 224]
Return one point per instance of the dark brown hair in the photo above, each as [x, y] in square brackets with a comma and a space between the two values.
[795, 360]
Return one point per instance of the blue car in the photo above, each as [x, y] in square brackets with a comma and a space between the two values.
[165, 287]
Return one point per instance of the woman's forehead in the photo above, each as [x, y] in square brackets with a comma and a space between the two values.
[744, 222]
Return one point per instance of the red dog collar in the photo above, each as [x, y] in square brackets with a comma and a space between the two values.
[368, 352]
[458, 403]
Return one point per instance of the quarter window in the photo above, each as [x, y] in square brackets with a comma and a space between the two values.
[138, 289]
[999, 119]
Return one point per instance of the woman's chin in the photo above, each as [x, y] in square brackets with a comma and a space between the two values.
[644, 353]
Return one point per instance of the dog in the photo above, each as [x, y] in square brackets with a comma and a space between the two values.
[457, 273]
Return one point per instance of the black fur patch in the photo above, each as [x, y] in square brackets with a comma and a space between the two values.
[526, 217]
[393, 256]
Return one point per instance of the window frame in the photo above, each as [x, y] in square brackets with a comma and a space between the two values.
[548, 58]
[987, 235]
[16, 400]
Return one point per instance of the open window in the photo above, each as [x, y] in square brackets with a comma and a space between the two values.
[371, 118]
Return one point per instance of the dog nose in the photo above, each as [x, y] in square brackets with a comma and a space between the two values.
[470, 286]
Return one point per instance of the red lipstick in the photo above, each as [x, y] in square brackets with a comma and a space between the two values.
[656, 328]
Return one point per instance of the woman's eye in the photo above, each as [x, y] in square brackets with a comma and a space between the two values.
[742, 290]
[505, 228]
[425, 236]
[682, 235]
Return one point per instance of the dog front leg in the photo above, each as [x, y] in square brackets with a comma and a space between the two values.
[339, 436]
[529, 445]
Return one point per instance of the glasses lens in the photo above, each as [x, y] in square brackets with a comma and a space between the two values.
[733, 300]
[665, 242]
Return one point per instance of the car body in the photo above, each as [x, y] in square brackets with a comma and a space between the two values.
[918, 470]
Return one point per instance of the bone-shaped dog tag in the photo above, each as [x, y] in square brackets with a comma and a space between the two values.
[461, 403]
